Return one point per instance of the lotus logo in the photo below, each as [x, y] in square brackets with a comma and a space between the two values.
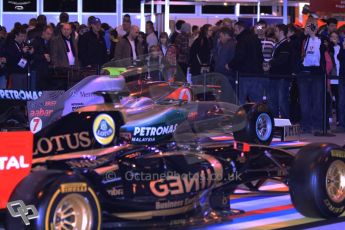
[104, 129]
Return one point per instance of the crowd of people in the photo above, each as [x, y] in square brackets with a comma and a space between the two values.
[296, 59]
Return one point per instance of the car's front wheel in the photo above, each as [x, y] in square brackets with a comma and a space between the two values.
[67, 202]
[317, 181]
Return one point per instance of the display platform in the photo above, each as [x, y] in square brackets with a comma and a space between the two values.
[271, 209]
[276, 142]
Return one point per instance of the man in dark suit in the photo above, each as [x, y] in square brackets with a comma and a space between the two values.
[92, 48]
[64, 49]
[280, 65]
[41, 57]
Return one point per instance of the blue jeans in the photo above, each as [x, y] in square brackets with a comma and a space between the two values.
[279, 97]
[228, 88]
[253, 89]
[3, 82]
[311, 95]
[341, 103]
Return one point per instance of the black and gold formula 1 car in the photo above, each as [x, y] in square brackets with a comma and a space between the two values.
[83, 175]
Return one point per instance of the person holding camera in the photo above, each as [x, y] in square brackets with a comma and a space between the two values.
[310, 83]
[18, 54]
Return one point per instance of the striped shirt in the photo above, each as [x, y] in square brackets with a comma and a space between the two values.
[267, 48]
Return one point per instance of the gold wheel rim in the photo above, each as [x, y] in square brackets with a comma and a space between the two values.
[73, 212]
[335, 181]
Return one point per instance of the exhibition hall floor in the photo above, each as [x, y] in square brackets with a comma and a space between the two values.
[272, 209]
[339, 139]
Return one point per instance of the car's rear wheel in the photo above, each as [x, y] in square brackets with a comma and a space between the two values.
[317, 181]
[259, 124]
[263, 127]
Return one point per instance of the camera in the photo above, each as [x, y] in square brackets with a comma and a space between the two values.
[312, 27]
[28, 44]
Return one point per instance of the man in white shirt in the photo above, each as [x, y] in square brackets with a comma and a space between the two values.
[64, 48]
[151, 38]
[128, 49]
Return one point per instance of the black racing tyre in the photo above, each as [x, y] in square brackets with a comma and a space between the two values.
[66, 202]
[219, 200]
[317, 181]
[259, 124]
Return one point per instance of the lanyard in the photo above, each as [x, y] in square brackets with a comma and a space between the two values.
[19, 49]
[277, 45]
[306, 45]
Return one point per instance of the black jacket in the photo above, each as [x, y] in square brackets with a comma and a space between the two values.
[14, 54]
[39, 61]
[92, 49]
[173, 37]
[2, 54]
[280, 63]
[248, 54]
[57, 29]
[36, 32]
[296, 53]
[341, 58]
[200, 53]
